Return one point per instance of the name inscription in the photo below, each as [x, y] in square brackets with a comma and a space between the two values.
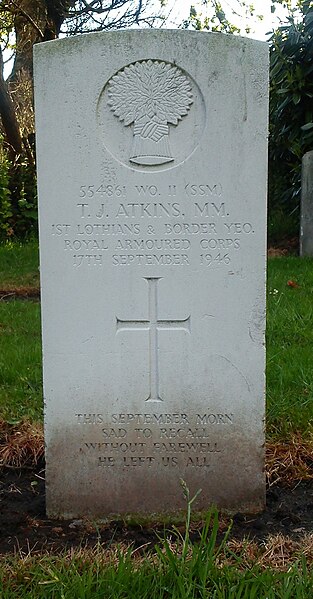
[169, 226]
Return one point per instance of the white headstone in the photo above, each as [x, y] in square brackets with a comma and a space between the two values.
[306, 219]
[152, 164]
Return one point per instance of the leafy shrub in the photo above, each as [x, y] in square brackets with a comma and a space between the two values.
[291, 109]
[24, 219]
[5, 204]
[18, 197]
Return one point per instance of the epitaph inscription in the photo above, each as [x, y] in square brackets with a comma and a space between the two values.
[151, 95]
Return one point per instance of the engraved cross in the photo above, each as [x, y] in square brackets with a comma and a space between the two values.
[153, 325]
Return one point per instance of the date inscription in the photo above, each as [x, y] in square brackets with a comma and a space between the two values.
[166, 227]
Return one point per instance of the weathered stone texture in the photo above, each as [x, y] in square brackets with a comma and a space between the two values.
[152, 167]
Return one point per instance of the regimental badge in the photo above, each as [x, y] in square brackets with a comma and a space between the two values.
[151, 95]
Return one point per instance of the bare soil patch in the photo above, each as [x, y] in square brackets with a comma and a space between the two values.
[24, 526]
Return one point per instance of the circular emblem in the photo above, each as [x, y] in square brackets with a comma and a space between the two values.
[146, 110]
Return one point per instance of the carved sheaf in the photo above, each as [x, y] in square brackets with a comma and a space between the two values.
[151, 95]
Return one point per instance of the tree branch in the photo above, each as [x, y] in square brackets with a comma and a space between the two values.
[29, 18]
[90, 7]
[8, 117]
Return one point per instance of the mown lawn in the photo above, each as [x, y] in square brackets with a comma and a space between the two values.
[290, 345]
[20, 361]
[178, 568]
[19, 265]
[289, 342]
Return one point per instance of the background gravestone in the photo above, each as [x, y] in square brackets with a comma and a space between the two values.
[306, 218]
[152, 168]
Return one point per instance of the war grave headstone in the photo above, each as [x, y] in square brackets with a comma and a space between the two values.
[152, 168]
[306, 218]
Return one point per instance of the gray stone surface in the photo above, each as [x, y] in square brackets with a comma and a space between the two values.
[152, 168]
[306, 218]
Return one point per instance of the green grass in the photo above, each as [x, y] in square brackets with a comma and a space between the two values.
[79, 578]
[289, 343]
[177, 568]
[20, 361]
[290, 346]
[19, 264]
